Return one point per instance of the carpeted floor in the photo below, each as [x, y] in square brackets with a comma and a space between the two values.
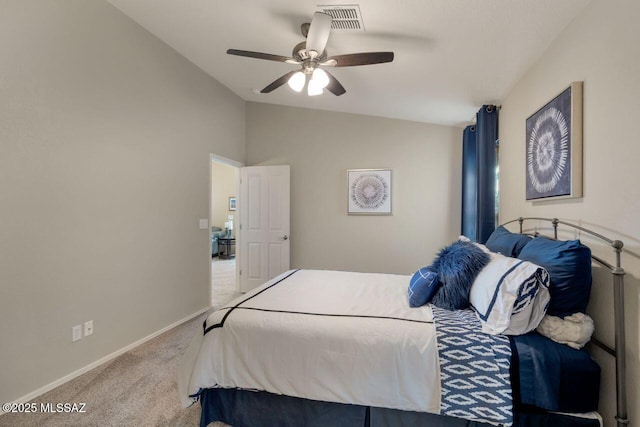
[137, 388]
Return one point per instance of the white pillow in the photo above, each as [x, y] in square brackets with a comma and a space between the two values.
[463, 238]
[510, 296]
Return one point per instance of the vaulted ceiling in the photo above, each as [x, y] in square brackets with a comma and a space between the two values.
[451, 56]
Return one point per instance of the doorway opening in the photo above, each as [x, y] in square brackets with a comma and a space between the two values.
[223, 221]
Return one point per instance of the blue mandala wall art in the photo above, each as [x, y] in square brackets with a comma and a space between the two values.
[554, 147]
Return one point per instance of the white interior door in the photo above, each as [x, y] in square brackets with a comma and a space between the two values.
[264, 224]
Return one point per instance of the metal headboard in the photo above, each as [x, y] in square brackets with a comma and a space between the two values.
[618, 309]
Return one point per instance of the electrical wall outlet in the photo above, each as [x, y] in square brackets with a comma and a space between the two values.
[88, 328]
[76, 333]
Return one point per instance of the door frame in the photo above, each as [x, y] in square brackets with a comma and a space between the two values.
[230, 162]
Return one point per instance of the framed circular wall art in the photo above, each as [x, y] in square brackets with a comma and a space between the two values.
[369, 192]
[554, 147]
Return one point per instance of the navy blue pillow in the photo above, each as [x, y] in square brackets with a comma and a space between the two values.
[457, 266]
[507, 243]
[423, 285]
[569, 266]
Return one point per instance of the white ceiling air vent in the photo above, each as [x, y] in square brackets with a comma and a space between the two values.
[346, 17]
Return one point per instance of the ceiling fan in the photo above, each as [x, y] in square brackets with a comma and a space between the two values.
[311, 55]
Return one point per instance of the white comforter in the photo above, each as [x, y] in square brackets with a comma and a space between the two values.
[323, 335]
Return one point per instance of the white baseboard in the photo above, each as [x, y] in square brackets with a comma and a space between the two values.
[42, 390]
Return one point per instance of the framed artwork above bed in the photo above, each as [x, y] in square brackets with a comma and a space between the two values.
[369, 192]
[554, 147]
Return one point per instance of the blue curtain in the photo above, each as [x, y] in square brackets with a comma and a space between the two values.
[469, 182]
[479, 163]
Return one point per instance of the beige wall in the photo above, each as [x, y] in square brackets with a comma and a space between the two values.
[600, 48]
[320, 146]
[105, 135]
[224, 179]
[105, 142]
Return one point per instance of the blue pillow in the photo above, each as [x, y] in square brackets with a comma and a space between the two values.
[457, 266]
[569, 266]
[423, 285]
[506, 243]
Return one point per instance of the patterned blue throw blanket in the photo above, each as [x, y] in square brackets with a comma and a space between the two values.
[474, 369]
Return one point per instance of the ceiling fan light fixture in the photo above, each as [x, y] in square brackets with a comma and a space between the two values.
[311, 54]
[320, 78]
[314, 88]
[297, 81]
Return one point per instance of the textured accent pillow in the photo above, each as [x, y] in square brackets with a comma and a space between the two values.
[510, 296]
[574, 331]
[507, 243]
[423, 285]
[569, 266]
[457, 265]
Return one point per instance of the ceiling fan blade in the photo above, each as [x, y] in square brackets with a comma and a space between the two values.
[278, 82]
[260, 55]
[334, 85]
[365, 58]
[319, 32]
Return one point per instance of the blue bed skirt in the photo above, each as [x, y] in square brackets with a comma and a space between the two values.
[242, 408]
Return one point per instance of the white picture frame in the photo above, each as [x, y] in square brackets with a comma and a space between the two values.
[369, 192]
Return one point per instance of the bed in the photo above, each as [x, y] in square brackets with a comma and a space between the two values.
[321, 348]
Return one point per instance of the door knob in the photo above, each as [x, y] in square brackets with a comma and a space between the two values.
[285, 237]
